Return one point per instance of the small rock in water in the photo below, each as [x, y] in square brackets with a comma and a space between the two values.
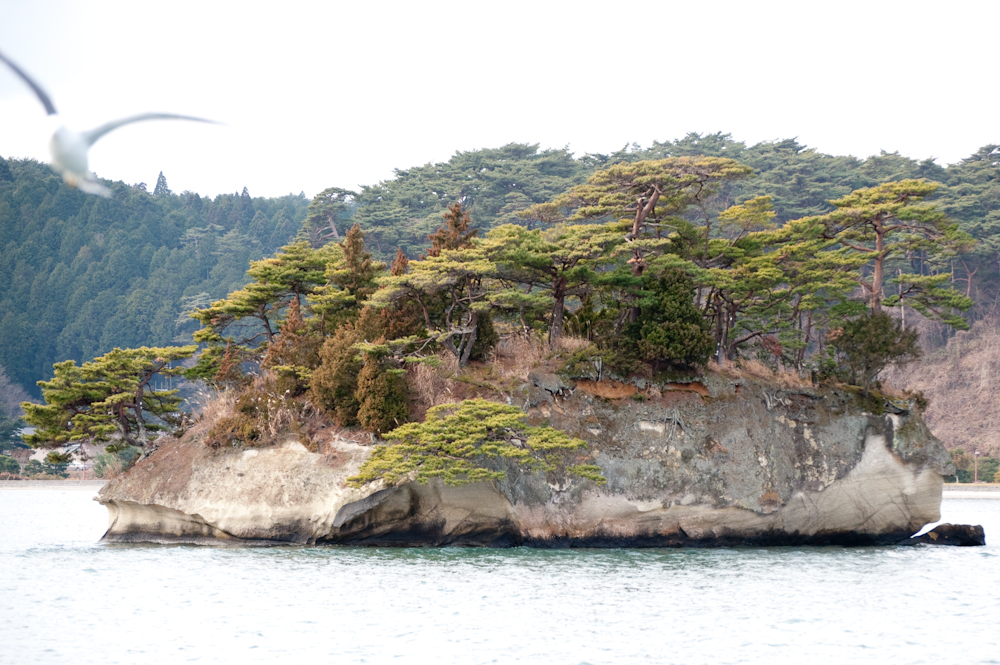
[962, 535]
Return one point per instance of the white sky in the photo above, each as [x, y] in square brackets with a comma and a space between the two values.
[320, 94]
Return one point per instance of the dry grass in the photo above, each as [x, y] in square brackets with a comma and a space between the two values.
[431, 386]
[212, 406]
[253, 416]
[504, 372]
[890, 390]
[572, 344]
[757, 369]
[113, 468]
[517, 354]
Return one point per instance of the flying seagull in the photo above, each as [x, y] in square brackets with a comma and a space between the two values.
[69, 148]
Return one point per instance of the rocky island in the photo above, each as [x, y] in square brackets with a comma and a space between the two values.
[639, 361]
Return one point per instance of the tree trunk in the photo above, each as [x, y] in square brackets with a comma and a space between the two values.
[558, 308]
[877, 272]
[467, 348]
[643, 209]
[720, 342]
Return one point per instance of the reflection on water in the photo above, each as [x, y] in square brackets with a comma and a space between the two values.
[64, 598]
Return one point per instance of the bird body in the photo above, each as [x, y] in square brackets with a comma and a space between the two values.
[69, 149]
[69, 154]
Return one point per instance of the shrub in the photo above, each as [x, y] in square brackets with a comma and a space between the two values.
[669, 329]
[456, 440]
[864, 346]
[36, 468]
[110, 464]
[382, 396]
[335, 382]
[9, 465]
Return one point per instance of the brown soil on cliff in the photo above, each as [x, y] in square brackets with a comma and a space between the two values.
[961, 381]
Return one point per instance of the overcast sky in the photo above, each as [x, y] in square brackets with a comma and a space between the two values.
[324, 94]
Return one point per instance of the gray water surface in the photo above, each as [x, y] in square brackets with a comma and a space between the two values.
[66, 599]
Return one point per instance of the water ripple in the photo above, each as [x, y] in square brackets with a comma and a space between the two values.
[65, 599]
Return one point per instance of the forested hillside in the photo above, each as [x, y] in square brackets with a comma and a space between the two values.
[82, 274]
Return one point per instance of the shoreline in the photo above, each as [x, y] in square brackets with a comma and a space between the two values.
[971, 491]
[27, 485]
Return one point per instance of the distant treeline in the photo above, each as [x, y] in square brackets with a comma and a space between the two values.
[82, 275]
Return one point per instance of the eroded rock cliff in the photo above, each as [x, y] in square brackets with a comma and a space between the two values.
[720, 461]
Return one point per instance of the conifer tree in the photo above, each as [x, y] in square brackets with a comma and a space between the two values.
[758, 280]
[334, 384]
[161, 188]
[889, 222]
[349, 282]
[326, 210]
[645, 198]
[452, 291]
[294, 354]
[559, 262]
[249, 318]
[5, 173]
[381, 393]
[455, 233]
[297, 270]
[109, 398]
[400, 264]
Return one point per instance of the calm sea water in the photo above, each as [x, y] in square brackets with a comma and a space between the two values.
[66, 599]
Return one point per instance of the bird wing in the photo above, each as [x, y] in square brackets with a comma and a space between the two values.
[96, 133]
[93, 187]
[50, 109]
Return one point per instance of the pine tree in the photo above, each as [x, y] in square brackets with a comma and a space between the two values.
[381, 395]
[400, 264]
[161, 188]
[327, 209]
[562, 260]
[888, 221]
[111, 397]
[454, 233]
[645, 198]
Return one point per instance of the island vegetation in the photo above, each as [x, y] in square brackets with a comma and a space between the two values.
[651, 264]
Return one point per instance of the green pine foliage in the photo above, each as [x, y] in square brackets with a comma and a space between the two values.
[457, 441]
[9, 465]
[658, 256]
[493, 185]
[112, 398]
[864, 346]
[382, 396]
[669, 330]
[334, 384]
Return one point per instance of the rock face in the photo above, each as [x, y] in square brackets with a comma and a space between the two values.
[713, 463]
[962, 535]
